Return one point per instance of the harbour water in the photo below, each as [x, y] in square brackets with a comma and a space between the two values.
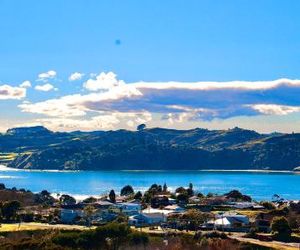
[259, 185]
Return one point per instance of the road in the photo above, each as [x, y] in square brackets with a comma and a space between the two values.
[237, 236]
[274, 244]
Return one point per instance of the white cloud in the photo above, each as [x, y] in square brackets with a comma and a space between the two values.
[76, 105]
[67, 106]
[46, 75]
[45, 87]
[75, 76]
[130, 123]
[273, 109]
[177, 103]
[246, 85]
[10, 92]
[104, 121]
[103, 81]
[25, 84]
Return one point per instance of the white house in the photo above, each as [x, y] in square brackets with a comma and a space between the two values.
[143, 219]
[129, 208]
[229, 221]
[246, 205]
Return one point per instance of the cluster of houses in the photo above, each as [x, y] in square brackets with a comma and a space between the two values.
[164, 207]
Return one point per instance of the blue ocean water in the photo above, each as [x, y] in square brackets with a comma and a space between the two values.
[261, 186]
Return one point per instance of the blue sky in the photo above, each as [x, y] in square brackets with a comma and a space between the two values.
[136, 48]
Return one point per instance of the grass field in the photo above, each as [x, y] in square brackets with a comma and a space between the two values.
[38, 226]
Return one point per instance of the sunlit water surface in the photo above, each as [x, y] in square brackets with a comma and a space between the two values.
[259, 185]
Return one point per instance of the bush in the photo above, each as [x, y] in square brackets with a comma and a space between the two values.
[66, 239]
[28, 217]
[87, 240]
[268, 205]
[9, 209]
[281, 228]
[216, 234]
[252, 233]
[138, 238]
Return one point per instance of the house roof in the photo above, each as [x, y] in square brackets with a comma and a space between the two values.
[152, 215]
[128, 204]
[231, 220]
[104, 203]
[174, 207]
[157, 211]
[222, 221]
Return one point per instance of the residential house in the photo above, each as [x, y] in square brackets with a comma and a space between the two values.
[231, 222]
[246, 205]
[215, 201]
[103, 204]
[194, 200]
[129, 208]
[68, 215]
[144, 219]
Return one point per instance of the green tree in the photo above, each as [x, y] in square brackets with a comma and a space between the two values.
[238, 196]
[90, 200]
[44, 198]
[165, 188]
[209, 195]
[200, 195]
[147, 197]
[195, 218]
[88, 213]
[138, 195]
[112, 196]
[190, 190]
[141, 127]
[45, 193]
[66, 199]
[2, 186]
[154, 189]
[268, 205]
[182, 198]
[114, 234]
[281, 228]
[127, 190]
[180, 190]
[9, 209]
[138, 238]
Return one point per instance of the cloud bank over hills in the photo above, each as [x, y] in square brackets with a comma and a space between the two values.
[105, 102]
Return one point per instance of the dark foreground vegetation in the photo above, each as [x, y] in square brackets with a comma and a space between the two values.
[119, 236]
[146, 149]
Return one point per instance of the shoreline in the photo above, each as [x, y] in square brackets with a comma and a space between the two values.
[5, 168]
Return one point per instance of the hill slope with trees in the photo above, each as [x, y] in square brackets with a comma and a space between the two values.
[149, 149]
